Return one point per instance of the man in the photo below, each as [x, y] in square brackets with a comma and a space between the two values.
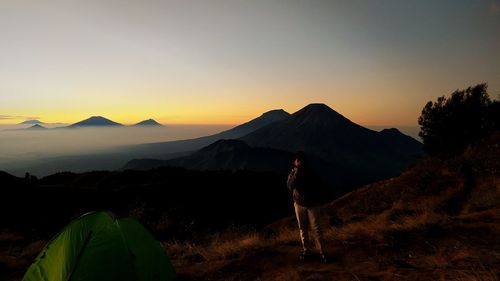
[305, 186]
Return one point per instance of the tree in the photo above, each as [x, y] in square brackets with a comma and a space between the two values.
[448, 125]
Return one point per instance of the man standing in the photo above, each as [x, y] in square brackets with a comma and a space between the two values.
[305, 188]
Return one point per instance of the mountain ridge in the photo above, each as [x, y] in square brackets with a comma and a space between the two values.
[345, 154]
[95, 121]
[149, 122]
[224, 154]
[163, 148]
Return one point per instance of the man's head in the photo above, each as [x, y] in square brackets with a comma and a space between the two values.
[298, 158]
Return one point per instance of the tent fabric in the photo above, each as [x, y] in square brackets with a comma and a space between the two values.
[99, 247]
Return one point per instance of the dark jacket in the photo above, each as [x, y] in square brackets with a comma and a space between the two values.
[305, 187]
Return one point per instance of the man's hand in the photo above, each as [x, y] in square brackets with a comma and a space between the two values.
[296, 195]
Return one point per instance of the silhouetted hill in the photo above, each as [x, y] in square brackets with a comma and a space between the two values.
[144, 164]
[95, 121]
[229, 155]
[235, 155]
[36, 127]
[7, 180]
[404, 142]
[190, 201]
[149, 122]
[320, 130]
[257, 123]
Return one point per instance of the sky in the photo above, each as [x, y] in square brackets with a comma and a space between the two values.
[228, 61]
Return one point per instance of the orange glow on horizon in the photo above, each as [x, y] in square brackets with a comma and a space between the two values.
[214, 117]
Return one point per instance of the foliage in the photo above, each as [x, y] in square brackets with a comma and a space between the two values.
[449, 125]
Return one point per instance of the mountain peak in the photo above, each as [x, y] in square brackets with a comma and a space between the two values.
[37, 127]
[96, 121]
[393, 131]
[276, 112]
[33, 121]
[396, 134]
[317, 114]
[97, 117]
[317, 108]
[257, 123]
[148, 122]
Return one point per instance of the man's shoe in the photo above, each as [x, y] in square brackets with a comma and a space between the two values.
[324, 258]
[304, 255]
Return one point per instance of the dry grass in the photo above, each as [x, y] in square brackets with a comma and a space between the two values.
[396, 232]
[221, 246]
[8, 235]
[476, 275]
[486, 195]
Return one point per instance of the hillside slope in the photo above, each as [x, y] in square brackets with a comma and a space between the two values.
[157, 150]
[440, 220]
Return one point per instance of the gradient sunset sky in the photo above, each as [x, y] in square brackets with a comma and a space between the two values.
[225, 62]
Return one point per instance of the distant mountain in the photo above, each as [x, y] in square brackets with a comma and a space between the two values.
[257, 123]
[36, 127]
[361, 154]
[163, 148]
[95, 121]
[313, 128]
[320, 130]
[34, 121]
[149, 122]
[344, 154]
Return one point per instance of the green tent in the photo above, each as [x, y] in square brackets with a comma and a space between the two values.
[98, 247]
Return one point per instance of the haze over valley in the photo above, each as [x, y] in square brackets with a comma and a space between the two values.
[20, 149]
[32, 145]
